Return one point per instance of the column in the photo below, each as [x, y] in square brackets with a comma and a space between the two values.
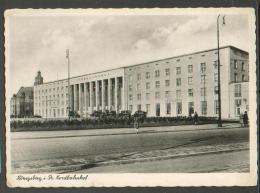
[97, 95]
[85, 98]
[116, 93]
[74, 97]
[80, 98]
[109, 94]
[91, 96]
[103, 94]
[123, 95]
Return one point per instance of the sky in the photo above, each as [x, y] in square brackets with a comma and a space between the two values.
[100, 42]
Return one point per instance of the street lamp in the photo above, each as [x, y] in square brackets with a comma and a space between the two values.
[219, 89]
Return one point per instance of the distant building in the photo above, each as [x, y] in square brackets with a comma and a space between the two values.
[22, 103]
[176, 86]
[38, 79]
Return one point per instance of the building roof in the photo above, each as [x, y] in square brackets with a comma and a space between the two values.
[26, 90]
[178, 56]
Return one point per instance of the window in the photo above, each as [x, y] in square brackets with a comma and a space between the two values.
[130, 87]
[138, 76]
[179, 108]
[203, 79]
[167, 94]
[178, 94]
[190, 92]
[147, 108]
[167, 71]
[238, 90]
[216, 77]
[216, 64]
[130, 78]
[139, 96]
[191, 108]
[147, 75]
[139, 107]
[203, 91]
[243, 66]
[147, 85]
[157, 95]
[178, 81]
[167, 83]
[235, 64]
[203, 107]
[130, 97]
[202, 67]
[138, 86]
[178, 70]
[168, 108]
[147, 96]
[243, 77]
[157, 73]
[235, 77]
[130, 107]
[216, 90]
[216, 106]
[157, 84]
[190, 68]
[237, 106]
[189, 80]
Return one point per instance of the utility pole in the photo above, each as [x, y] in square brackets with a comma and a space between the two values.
[68, 58]
[219, 89]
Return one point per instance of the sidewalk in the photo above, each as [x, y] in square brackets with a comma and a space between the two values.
[117, 131]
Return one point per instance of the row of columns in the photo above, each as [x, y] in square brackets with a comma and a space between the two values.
[106, 94]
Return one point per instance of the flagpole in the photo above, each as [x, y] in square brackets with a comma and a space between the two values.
[219, 89]
[68, 57]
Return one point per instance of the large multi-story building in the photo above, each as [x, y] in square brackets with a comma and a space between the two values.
[176, 86]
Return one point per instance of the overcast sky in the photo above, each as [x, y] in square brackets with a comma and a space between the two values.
[103, 42]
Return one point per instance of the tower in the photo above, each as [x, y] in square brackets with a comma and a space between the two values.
[38, 79]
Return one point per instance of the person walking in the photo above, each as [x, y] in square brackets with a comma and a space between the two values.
[241, 120]
[245, 119]
[196, 118]
[136, 123]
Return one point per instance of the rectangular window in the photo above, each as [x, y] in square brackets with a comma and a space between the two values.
[168, 108]
[191, 108]
[139, 96]
[216, 64]
[130, 107]
[157, 95]
[190, 68]
[130, 87]
[178, 94]
[203, 67]
[203, 91]
[203, 107]
[235, 77]
[243, 66]
[178, 70]
[243, 77]
[167, 94]
[235, 64]
[167, 71]
[238, 90]
[216, 77]
[157, 84]
[147, 75]
[216, 90]
[157, 73]
[167, 83]
[178, 81]
[179, 108]
[148, 85]
[139, 107]
[216, 106]
[147, 108]
[138, 76]
[130, 78]
[203, 79]
[138, 86]
[237, 106]
[190, 92]
[147, 96]
[130, 97]
[189, 80]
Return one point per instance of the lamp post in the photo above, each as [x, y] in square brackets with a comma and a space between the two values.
[219, 89]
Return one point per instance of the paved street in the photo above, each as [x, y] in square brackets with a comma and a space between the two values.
[36, 150]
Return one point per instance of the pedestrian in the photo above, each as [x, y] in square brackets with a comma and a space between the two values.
[245, 119]
[136, 124]
[241, 120]
[195, 117]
